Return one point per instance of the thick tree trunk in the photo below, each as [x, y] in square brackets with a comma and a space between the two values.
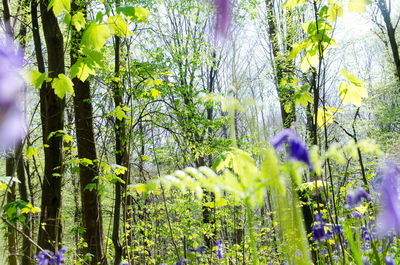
[282, 70]
[90, 198]
[52, 116]
[391, 35]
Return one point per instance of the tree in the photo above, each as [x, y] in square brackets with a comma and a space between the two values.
[52, 116]
[88, 168]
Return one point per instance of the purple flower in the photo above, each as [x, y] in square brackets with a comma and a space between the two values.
[47, 257]
[11, 119]
[318, 229]
[220, 253]
[356, 215]
[389, 217]
[44, 256]
[355, 197]
[297, 148]
[389, 260]
[365, 261]
[223, 17]
[337, 229]
[181, 262]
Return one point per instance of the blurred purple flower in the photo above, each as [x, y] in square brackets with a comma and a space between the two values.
[181, 262]
[365, 261]
[355, 197]
[12, 121]
[389, 260]
[389, 216]
[356, 215]
[223, 19]
[337, 229]
[297, 148]
[220, 253]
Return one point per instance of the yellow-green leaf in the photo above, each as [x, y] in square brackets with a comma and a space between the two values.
[350, 93]
[95, 35]
[324, 117]
[335, 10]
[59, 6]
[359, 6]
[119, 113]
[157, 82]
[141, 14]
[36, 78]
[61, 85]
[31, 151]
[81, 70]
[118, 26]
[308, 61]
[352, 78]
[155, 93]
[78, 20]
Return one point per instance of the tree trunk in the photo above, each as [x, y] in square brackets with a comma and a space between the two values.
[90, 198]
[282, 70]
[52, 116]
[391, 35]
[11, 197]
[121, 155]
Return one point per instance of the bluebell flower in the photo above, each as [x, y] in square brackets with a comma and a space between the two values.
[365, 261]
[389, 260]
[12, 122]
[182, 261]
[355, 197]
[318, 229]
[200, 250]
[47, 257]
[356, 215]
[338, 230]
[297, 147]
[220, 253]
[389, 217]
[43, 257]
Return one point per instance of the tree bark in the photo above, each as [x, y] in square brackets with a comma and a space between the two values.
[282, 70]
[11, 197]
[121, 155]
[52, 116]
[391, 35]
[90, 198]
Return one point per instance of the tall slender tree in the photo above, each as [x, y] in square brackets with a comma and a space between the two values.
[91, 202]
[52, 116]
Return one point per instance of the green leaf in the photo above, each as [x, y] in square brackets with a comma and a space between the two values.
[303, 98]
[118, 26]
[335, 10]
[352, 78]
[119, 113]
[136, 14]
[95, 36]
[308, 61]
[31, 151]
[324, 117]
[81, 70]
[61, 85]
[359, 6]
[155, 93]
[352, 94]
[59, 6]
[79, 21]
[36, 78]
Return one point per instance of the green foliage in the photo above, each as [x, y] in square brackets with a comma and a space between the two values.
[61, 85]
